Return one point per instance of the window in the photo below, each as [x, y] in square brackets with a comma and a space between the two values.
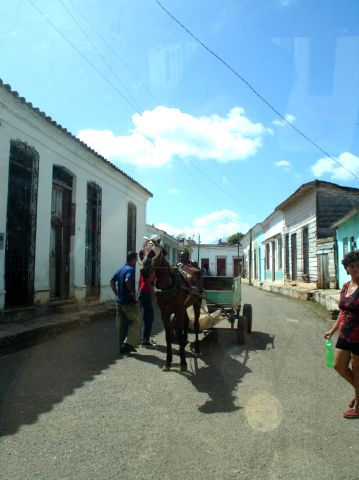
[267, 257]
[353, 245]
[345, 246]
[286, 253]
[280, 248]
[305, 240]
[131, 227]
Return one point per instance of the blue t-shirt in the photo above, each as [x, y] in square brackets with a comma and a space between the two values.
[127, 271]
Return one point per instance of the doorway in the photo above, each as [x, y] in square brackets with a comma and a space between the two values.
[61, 228]
[21, 225]
[293, 245]
[93, 240]
[221, 267]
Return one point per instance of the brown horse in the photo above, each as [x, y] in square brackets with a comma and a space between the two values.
[177, 289]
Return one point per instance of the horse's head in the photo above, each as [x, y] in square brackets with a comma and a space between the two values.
[153, 259]
[151, 254]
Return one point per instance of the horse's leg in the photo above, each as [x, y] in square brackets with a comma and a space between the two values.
[167, 325]
[185, 331]
[197, 312]
[180, 331]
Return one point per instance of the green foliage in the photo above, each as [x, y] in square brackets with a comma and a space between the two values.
[235, 238]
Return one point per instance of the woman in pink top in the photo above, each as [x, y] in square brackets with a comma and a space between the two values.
[347, 347]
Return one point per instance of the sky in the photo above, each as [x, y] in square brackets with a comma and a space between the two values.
[194, 118]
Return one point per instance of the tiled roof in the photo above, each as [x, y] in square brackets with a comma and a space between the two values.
[309, 186]
[69, 134]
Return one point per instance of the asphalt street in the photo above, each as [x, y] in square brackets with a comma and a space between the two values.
[72, 408]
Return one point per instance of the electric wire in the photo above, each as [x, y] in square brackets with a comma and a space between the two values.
[84, 56]
[101, 56]
[266, 102]
[113, 50]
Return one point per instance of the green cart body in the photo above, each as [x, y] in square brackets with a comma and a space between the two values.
[225, 293]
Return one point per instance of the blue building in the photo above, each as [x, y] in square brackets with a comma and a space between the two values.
[347, 237]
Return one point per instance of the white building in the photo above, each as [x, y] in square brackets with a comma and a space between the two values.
[170, 243]
[220, 260]
[67, 215]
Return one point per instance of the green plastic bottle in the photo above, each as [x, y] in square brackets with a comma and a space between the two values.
[329, 354]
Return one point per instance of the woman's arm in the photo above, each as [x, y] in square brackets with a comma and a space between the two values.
[328, 335]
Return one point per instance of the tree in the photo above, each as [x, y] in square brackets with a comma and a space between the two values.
[235, 238]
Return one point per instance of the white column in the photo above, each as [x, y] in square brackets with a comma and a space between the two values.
[43, 231]
[79, 252]
[4, 174]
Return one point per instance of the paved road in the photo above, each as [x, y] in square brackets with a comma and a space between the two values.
[71, 408]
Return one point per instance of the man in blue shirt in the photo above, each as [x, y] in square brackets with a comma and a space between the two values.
[128, 314]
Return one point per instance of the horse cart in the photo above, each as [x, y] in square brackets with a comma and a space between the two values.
[222, 300]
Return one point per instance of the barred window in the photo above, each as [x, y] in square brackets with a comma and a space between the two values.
[131, 227]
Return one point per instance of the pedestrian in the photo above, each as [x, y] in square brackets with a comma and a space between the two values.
[347, 346]
[146, 289]
[128, 315]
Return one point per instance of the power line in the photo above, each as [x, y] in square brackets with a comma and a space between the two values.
[101, 56]
[269, 105]
[84, 56]
[113, 50]
[220, 188]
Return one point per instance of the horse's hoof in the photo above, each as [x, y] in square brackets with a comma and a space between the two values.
[166, 368]
[183, 368]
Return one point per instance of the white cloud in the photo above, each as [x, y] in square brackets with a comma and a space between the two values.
[284, 164]
[164, 133]
[282, 123]
[334, 170]
[212, 227]
[174, 191]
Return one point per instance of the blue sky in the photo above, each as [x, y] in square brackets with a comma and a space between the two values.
[142, 92]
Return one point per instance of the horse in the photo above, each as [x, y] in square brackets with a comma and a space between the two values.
[177, 288]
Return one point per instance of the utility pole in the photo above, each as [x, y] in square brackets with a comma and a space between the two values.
[199, 244]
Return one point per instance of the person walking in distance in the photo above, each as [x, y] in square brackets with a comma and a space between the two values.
[146, 289]
[347, 346]
[128, 315]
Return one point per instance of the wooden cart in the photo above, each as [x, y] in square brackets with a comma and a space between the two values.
[223, 299]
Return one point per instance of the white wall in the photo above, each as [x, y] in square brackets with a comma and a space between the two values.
[212, 252]
[18, 121]
[300, 214]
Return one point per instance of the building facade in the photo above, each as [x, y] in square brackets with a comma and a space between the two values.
[220, 260]
[347, 236]
[171, 244]
[67, 215]
[298, 238]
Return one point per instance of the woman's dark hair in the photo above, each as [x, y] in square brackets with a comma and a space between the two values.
[351, 257]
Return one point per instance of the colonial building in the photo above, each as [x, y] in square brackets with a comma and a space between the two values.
[347, 236]
[220, 260]
[67, 215]
[170, 243]
[298, 237]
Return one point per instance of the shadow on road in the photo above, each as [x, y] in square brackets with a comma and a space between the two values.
[225, 364]
[34, 380]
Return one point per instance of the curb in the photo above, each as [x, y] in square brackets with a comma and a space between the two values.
[25, 333]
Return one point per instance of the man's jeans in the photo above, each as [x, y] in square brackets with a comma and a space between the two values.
[128, 323]
[148, 315]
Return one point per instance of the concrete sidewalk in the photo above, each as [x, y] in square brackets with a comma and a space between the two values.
[32, 326]
[327, 298]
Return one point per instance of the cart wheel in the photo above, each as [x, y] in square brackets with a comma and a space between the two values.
[241, 335]
[247, 312]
